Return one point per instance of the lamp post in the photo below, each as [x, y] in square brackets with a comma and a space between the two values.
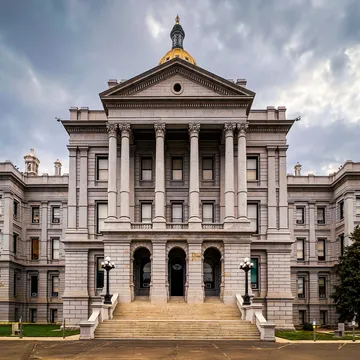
[246, 266]
[107, 265]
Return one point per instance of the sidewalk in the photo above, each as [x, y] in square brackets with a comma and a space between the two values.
[41, 338]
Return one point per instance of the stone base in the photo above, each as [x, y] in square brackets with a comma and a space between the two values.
[280, 312]
[75, 309]
[195, 296]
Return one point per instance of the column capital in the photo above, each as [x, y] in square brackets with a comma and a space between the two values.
[229, 127]
[111, 129]
[159, 129]
[242, 128]
[125, 129]
[194, 129]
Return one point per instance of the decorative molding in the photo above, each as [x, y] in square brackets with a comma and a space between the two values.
[229, 127]
[242, 128]
[159, 129]
[153, 103]
[135, 245]
[263, 128]
[194, 128]
[175, 244]
[111, 129]
[213, 244]
[125, 129]
[86, 129]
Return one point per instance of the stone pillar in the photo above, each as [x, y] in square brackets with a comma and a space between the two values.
[279, 297]
[72, 188]
[272, 225]
[76, 295]
[242, 174]
[159, 284]
[112, 160]
[159, 221]
[8, 231]
[194, 189]
[125, 175]
[283, 195]
[235, 251]
[229, 173]
[349, 217]
[195, 293]
[43, 288]
[44, 232]
[83, 200]
[312, 235]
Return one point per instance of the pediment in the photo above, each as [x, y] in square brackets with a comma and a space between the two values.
[158, 82]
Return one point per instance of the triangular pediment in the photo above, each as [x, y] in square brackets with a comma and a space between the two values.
[159, 82]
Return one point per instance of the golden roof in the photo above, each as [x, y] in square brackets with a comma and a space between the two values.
[177, 53]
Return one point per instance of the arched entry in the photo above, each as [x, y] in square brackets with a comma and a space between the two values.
[177, 271]
[142, 272]
[212, 271]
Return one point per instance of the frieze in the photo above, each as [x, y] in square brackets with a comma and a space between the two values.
[171, 104]
[86, 129]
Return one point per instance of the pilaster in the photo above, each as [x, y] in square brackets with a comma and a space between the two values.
[283, 194]
[349, 216]
[195, 294]
[8, 231]
[83, 201]
[72, 188]
[312, 234]
[271, 189]
[159, 283]
[44, 232]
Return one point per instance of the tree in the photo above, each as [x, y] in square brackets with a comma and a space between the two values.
[347, 293]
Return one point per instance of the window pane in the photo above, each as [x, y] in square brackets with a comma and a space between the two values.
[34, 286]
[102, 163]
[102, 215]
[208, 213]
[56, 214]
[56, 249]
[177, 213]
[322, 287]
[253, 216]
[358, 206]
[146, 213]
[321, 249]
[177, 164]
[146, 169]
[35, 215]
[35, 249]
[301, 287]
[177, 169]
[252, 173]
[208, 169]
[255, 274]
[55, 286]
[300, 249]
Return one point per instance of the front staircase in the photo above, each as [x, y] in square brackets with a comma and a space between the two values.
[177, 320]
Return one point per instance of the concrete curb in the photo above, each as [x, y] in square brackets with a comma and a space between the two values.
[281, 340]
[45, 338]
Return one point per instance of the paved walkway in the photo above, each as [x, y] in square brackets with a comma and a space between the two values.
[175, 350]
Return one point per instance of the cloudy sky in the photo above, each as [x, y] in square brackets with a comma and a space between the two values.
[304, 54]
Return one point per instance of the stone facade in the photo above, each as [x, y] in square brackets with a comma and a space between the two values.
[196, 179]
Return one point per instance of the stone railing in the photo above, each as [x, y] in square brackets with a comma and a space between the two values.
[177, 226]
[212, 226]
[253, 313]
[141, 226]
[100, 312]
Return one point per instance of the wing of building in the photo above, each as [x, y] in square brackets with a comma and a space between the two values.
[177, 179]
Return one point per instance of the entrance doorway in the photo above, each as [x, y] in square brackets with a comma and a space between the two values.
[142, 272]
[212, 271]
[177, 272]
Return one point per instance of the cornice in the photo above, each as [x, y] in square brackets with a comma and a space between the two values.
[86, 129]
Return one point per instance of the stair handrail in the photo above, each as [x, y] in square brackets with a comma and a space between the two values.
[253, 313]
[100, 312]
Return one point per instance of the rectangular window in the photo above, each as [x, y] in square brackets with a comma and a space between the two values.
[321, 215]
[35, 214]
[358, 206]
[208, 168]
[321, 249]
[301, 287]
[33, 285]
[55, 249]
[252, 168]
[300, 249]
[300, 215]
[302, 317]
[33, 315]
[99, 274]
[341, 210]
[177, 168]
[35, 249]
[322, 287]
[15, 240]
[323, 317]
[16, 209]
[55, 286]
[146, 213]
[207, 213]
[56, 214]
[53, 316]
[146, 168]
[102, 209]
[253, 216]
[342, 244]
[177, 213]
[254, 272]
[102, 167]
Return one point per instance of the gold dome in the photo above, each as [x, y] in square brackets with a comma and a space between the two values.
[177, 36]
[177, 53]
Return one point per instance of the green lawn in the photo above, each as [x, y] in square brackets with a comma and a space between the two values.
[309, 335]
[34, 330]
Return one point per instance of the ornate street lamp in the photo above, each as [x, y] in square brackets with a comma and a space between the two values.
[107, 265]
[246, 266]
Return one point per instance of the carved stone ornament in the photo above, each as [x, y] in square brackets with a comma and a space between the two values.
[242, 127]
[111, 128]
[159, 129]
[229, 126]
[194, 128]
[125, 129]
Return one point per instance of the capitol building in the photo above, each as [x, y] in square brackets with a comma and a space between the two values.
[178, 179]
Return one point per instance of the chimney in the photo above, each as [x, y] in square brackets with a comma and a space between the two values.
[112, 83]
[297, 168]
[58, 165]
[241, 82]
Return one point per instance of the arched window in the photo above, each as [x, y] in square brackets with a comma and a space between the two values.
[145, 273]
[208, 273]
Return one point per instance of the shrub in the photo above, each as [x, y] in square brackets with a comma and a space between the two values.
[308, 327]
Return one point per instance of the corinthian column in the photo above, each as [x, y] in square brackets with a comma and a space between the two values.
[229, 172]
[242, 175]
[159, 220]
[125, 173]
[194, 215]
[112, 190]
